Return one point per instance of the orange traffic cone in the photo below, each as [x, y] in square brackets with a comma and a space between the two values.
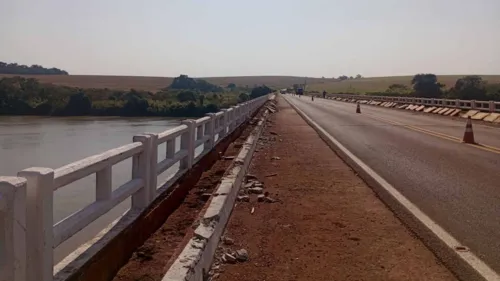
[358, 109]
[469, 134]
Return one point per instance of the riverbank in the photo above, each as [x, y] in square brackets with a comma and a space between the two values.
[185, 97]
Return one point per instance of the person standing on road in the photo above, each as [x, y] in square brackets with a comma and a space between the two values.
[324, 94]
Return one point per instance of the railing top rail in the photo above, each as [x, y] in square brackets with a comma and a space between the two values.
[202, 120]
[171, 133]
[90, 165]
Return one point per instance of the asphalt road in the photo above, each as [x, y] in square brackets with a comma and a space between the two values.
[456, 184]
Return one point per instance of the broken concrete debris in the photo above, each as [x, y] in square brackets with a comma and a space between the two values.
[256, 190]
[241, 255]
[243, 198]
[227, 240]
[228, 258]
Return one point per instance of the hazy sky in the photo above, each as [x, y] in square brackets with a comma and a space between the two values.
[253, 37]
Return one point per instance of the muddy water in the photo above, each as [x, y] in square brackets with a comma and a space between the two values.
[54, 142]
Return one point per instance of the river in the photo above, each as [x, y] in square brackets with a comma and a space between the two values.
[54, 142]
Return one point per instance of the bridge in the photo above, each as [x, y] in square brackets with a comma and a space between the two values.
[308, 190]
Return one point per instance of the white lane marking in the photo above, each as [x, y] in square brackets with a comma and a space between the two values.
[470, 258]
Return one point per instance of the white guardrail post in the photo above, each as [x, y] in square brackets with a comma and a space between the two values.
[39, 222]
[225, 115]
[210, 130]
[187, 143]
[153, 166]
[141, 170]
[491, 106]
[13, 262]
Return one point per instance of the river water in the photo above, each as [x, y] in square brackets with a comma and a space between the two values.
[54, 142]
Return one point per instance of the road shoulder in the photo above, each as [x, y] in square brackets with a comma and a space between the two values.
[326, 224]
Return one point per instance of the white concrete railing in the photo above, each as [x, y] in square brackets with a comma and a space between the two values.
[491, 106]
[28, 234]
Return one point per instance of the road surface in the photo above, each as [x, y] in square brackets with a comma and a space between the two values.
[456, 184]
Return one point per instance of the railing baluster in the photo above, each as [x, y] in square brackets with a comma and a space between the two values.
[103, 187]
[153, 163]
[140, 170]
[210, 131]
[187, 143]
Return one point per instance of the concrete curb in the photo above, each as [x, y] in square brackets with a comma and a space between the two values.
[195, 260]
[464, 264]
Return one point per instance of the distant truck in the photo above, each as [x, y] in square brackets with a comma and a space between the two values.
[300, 91]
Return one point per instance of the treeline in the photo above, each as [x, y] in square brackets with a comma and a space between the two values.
[21, 69]
[26, 96]
[470, 87]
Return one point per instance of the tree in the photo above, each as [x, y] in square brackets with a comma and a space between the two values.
[493, 91]
[427, 86]
[342, 78]
[471, 87]
[260, 91]
[183, 82]
[243, 97]
[201, 98]
[79, 104]
[359, 76]
[135, 106]
[186, 96]
[231, 86]
[14, 68]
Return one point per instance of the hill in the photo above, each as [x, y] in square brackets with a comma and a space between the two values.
[154, 84]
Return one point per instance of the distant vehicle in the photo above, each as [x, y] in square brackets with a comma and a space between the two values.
[300, 91]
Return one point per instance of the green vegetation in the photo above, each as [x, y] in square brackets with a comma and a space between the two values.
[470, 87]
[19, 69]
[379, 84]
[185, 97]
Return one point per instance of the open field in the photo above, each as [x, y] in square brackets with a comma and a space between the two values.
[153, 84]
[378, 84]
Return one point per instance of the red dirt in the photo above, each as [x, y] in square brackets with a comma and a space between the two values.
[154, 257]
[327, 225]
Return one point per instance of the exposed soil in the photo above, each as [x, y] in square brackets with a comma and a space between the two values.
[325, 222]
[153, 258]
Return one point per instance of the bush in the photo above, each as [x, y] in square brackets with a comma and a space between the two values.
[260, 91]
[186, 96]
[243, 97]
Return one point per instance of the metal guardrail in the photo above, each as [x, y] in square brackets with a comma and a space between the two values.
[28, 235]
[490, 106]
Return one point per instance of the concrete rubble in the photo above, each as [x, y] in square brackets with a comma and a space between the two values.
[225, 255]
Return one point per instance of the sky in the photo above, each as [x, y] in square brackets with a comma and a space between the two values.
[203, 38]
